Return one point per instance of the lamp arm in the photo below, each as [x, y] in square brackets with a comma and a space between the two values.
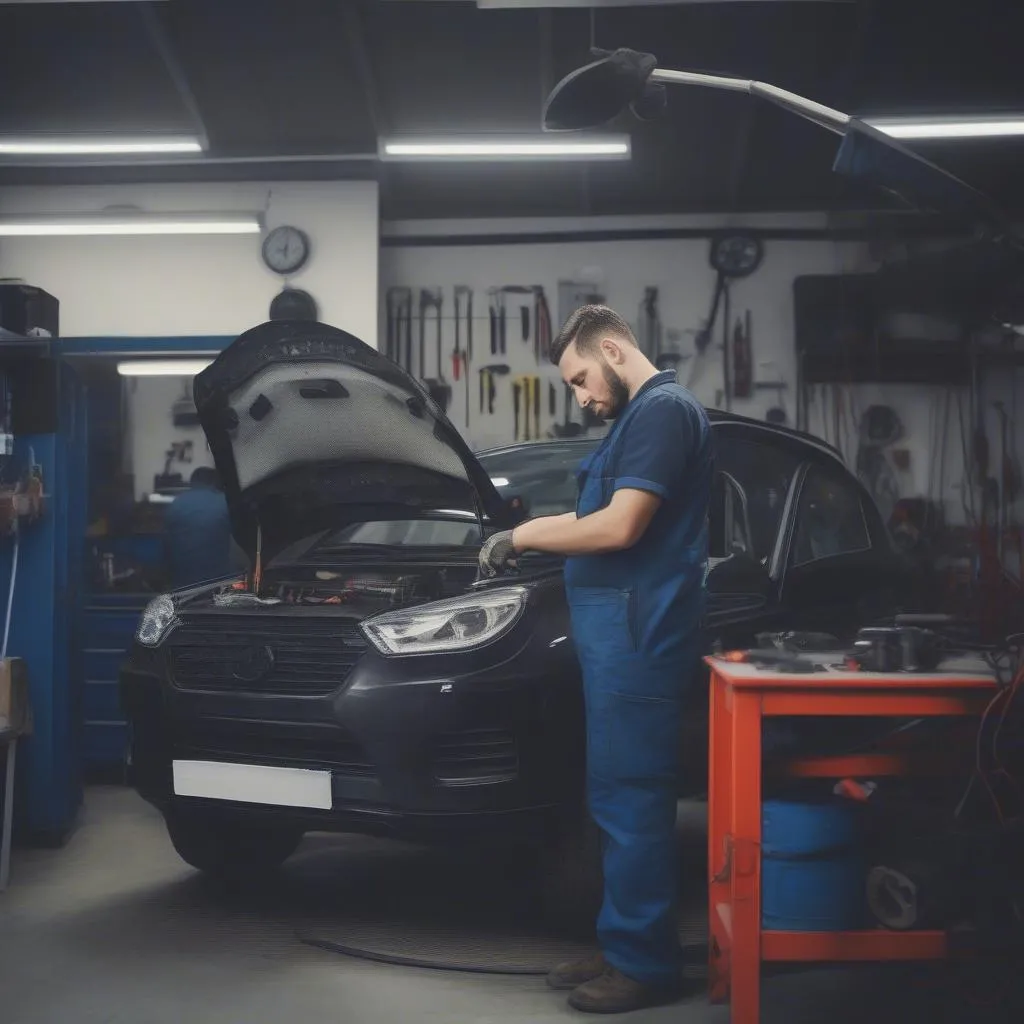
[835, 120]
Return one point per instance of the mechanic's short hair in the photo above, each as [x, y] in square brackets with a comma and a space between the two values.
[587, 326]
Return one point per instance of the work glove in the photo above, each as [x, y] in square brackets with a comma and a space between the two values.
[497, 553]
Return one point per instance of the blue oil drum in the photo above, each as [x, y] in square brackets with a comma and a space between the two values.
[812, 867]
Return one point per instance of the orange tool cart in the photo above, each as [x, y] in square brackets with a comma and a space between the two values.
[741, 696]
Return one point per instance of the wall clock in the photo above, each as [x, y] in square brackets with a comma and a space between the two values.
[286, 249]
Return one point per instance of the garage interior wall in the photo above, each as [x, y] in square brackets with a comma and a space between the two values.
[620, 270]
[679, 268]
[174, 285]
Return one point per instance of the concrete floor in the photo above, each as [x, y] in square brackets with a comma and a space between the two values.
[114, 929]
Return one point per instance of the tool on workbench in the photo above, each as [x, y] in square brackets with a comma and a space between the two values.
[464, 355]
[896, 649]
[487, 386]
[437, 387]
[399, 309]
[542, 331]
[497, 318]
[778, 661]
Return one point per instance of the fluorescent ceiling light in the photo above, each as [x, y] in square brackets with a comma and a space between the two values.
[608, 147]
[162, 367]
[131, 224]
[99, 145]
[949, 127]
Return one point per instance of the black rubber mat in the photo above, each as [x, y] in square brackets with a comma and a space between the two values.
[405, 905]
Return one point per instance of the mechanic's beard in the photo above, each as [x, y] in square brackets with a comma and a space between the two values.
[618, 393]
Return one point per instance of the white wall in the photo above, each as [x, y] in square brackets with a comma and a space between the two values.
[680, 270]
[621, 269]
[195, 285]
[151, 430]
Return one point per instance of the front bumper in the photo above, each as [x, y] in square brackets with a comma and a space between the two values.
[418, 747]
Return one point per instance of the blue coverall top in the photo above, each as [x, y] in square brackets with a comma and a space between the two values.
[198, 537]
[661, 443]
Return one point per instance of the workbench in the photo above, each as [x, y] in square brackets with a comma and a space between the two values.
[741, 696]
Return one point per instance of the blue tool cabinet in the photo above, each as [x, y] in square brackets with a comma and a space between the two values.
[72, 637]
[45, 615]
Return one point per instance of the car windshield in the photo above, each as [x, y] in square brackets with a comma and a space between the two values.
[542, 475]
[424, 532]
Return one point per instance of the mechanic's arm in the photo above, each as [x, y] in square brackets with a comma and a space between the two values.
[654, 453]
[619, 525]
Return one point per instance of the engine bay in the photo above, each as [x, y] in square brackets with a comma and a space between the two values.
[362, 590]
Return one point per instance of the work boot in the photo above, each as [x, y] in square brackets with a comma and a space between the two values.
[574, 973]
[613, 992]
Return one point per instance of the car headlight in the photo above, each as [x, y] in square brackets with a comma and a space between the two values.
[457, 624]
[157, 619]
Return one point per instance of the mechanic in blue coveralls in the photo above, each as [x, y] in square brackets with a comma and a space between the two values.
[197, 532]
[634, 576]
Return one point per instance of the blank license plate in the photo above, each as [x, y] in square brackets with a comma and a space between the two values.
[254, 784]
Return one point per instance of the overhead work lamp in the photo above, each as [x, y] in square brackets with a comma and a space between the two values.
[597, 93]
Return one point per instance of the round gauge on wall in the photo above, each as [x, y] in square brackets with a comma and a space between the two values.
[736, 255]
[286, 249]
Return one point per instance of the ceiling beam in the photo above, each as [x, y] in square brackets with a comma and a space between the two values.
[161, 40]
[364, 68]
[380, 120]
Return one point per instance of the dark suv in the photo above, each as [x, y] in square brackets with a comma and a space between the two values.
[362, 678]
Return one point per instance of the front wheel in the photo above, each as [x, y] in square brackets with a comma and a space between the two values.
[229, 850]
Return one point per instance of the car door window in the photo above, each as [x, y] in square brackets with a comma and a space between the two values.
[830, 518]
[729, 525]
[764, 473]
[542, 476]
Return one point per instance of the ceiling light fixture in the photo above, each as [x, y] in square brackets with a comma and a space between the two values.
[98, 145]
[949, 127]
[131, 224]
[608, 147]
[162, 367]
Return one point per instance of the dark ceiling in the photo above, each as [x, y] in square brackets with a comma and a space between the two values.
[318, 81]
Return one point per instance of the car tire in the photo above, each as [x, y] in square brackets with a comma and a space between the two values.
[227, 850]
[572, 881]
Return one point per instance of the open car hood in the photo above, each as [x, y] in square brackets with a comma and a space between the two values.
[310, 428]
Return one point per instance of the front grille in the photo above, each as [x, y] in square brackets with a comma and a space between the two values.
[256, 654]
[476, 755]
[328, 748]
